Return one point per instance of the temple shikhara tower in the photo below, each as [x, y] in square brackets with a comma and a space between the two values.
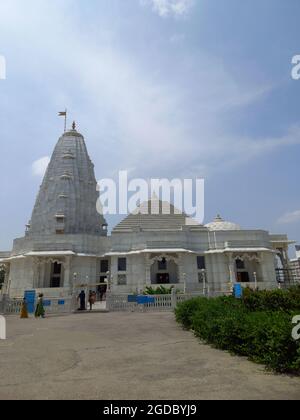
[64, 224]
[66, 203]
[66, 243]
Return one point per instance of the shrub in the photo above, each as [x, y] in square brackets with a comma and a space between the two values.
[269, 337]
[272, 300]
[223, 331]
[185, 311]
[161, 290]
[228, 324]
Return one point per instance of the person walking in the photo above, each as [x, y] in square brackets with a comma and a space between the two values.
[103, 290]
[24, 310]
[81, 299]
[40, 310]
[92, 299]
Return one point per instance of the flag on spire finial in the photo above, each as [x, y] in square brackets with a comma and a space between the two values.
[64, 114]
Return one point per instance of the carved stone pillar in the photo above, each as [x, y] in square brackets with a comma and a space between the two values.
[6, 284]
[286, 258]
[181, 277]
[37, 273]
[231, 266]
[264, 271]
[67, 273]
[148, 265]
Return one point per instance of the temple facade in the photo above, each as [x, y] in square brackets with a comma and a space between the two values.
[67, 245]
[295, 265]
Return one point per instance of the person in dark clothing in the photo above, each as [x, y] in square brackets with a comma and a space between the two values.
[81, 299]
[92, 299]
[24, 310]
[102, 291]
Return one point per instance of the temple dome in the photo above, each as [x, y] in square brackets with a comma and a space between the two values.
[220, 224]
[155, 215]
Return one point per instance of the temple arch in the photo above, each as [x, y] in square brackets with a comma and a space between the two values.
[164, 269]
[2, 275]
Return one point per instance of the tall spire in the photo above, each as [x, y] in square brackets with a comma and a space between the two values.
[66, 203]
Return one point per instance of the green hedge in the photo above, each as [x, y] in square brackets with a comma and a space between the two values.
[227, 323]
[214, 307]
[273, 300]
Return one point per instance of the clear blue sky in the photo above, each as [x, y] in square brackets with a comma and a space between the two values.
[170, 88]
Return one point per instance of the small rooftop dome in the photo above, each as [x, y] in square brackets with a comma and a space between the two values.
[221, 224]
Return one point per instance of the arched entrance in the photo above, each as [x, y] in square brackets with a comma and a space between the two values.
[164, 270]
[49, 273]
[248, 268]
[2, 276]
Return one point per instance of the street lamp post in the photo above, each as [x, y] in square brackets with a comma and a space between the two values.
[108, 281]
[74, 281]
[184, 283]
[203, 272]
[73, 292]
[255, 280]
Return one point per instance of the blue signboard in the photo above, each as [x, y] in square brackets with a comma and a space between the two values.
[238, 291]
[132, 299]
[151, 299]
[143, 300]
[61, 302]
[47, 302]
[30, 297]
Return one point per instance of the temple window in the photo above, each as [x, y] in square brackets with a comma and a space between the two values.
[201, 263]
[122, 264]
[162, 265]
[122, 280]
[60, 218]
[104, 266]
[240, 264]
[56, 275]
[243, 277]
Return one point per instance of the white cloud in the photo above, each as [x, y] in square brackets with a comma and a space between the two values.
[166, 8]
[137, 115]
[40, 166]
[2, 67]
[290, 217]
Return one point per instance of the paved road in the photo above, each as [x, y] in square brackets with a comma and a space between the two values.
[125, 356]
